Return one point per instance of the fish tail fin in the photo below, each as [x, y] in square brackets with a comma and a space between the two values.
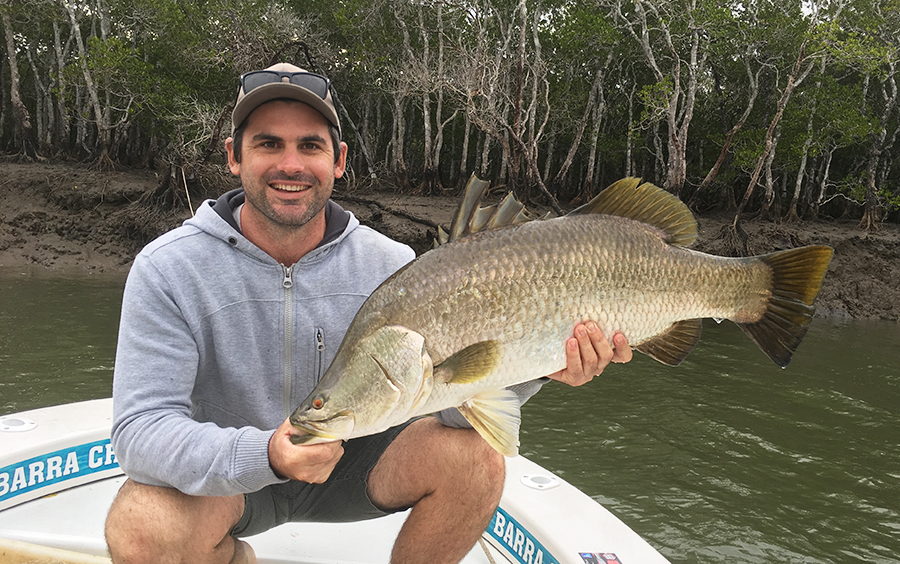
[797, 276]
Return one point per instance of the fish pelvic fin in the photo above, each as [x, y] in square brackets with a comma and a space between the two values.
[673, 346]
[496, 416]
[647, 203]
[470, 364]
[797, 276]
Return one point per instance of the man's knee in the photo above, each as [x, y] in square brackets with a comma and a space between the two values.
[428, 458]
[474, 469]
[475, 478]
[155, 524]
[489, 470]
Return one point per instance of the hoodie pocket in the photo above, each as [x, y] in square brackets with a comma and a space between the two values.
[320, 353]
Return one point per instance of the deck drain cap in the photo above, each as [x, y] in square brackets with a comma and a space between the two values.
[540, 481]
[16, 424]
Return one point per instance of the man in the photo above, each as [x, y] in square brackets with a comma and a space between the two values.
[228, 322]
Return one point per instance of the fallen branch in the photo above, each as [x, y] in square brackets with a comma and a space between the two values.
[388, 209]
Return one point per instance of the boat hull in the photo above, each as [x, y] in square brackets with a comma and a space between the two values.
[542, 519]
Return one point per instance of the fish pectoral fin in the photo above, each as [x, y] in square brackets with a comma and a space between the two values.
[471, 364]
[496, 416]
[673, 346]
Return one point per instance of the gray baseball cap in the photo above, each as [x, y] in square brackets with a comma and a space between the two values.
[283, 80]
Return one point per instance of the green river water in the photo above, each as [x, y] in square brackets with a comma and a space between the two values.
[727, 458]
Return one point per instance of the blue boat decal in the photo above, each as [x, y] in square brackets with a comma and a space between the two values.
[56, 467]
[518, 540]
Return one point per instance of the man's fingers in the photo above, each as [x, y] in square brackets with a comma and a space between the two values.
[593, 346]
[573, 371]
[311, 463]
[589, 352]
[622, 350]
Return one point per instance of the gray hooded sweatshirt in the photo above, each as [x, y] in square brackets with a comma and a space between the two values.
[218, 343]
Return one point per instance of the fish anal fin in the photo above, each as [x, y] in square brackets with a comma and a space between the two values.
[673, 346]
[496, 416]
[649, 204]
[470, 364]
[797, 276]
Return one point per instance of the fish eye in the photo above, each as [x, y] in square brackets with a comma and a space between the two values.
[318, 403]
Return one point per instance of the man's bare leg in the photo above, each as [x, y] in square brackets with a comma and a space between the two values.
[149, 524]
[450, 477]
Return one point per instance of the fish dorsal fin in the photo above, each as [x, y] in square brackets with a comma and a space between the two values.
[471, 364]
[496, 416]
[673, 346]
[648, 204]
[471, 218]
[468, 205]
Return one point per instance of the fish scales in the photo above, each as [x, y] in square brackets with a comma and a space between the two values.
[490, 309]
[519, 285]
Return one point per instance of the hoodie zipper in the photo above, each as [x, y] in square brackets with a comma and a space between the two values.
[288, 283]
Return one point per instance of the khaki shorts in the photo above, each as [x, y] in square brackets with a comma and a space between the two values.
[341, 498]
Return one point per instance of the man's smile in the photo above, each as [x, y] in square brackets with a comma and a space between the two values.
[289, 187]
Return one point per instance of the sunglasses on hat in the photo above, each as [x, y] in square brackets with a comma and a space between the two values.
[315, 83]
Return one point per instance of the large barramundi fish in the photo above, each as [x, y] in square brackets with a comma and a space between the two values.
[492, 308]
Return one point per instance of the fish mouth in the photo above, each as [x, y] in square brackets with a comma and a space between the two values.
[332, 429]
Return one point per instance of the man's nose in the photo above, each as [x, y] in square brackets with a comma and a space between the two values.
[292, 160]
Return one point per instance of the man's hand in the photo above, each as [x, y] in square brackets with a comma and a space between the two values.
[588, 353]
[305, 463]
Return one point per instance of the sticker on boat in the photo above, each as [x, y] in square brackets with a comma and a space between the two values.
[517, 540]
[55, 468]
[600, 558]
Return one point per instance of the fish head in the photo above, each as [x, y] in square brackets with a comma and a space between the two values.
[373, 384]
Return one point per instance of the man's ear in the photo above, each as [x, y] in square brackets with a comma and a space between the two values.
[341, 163]
[233, 165]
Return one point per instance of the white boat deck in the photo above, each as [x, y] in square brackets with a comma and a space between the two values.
[541, 519]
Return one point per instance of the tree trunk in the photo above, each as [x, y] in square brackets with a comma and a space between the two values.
[729, 137]
[363, 148]
[101, 117]
[582, 123]
[869, 221]
[792, 213]
[64, 130]
[823, 183]
[464, 152]
[770, 207]
[587, 186]
[629, 138]
[398, 163]
[21, 117]
[539, 84]
[436, 186]
[681, 101]
[793, 80]
[484, 159]
[871, 215]
[515, 130]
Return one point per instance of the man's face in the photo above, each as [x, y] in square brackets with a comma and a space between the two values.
[287, 163]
